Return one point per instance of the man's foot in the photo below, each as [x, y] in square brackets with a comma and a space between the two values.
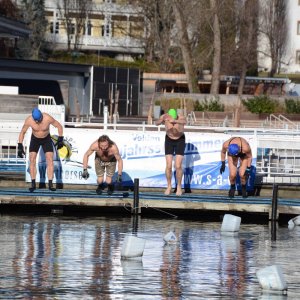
[231, 193]
[244, 191]
[99, 189]
[168, 191]
[52, 188]
[32, 188]
[110, 189]
[179, 192]
[187, 190]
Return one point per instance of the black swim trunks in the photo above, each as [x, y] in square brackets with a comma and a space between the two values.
[45, 142]
[175, 146]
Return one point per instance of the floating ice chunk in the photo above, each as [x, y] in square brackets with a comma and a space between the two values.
[271, 278]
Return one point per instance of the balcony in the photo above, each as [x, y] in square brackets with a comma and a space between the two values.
[119, 44]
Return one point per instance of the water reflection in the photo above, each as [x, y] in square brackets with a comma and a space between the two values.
[79, 258]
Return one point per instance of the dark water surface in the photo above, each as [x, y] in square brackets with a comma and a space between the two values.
[59, 257]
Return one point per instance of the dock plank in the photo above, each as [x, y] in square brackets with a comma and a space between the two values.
[157, 200]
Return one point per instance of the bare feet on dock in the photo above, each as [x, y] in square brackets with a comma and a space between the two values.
[179, 192]
[168, 191]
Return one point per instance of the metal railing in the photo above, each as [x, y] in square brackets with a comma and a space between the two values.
[280, 121]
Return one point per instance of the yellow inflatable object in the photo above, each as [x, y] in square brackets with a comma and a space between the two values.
[66, 151]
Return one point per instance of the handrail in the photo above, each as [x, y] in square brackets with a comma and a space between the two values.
[282, 120]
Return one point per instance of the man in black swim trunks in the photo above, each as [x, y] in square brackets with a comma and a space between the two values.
[174, 144]
[40, 125]
[238, 151]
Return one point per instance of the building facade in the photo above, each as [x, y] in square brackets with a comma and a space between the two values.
[112, 26]
[291, 60]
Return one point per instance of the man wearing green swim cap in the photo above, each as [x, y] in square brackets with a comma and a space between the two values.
[174, 145]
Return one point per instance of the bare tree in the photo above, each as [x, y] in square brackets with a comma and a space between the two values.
[158, 24]
[246, 46]
[216, 67]
[185, 45]
[74, 13]
[274, 29]
[8, 9]
[247, 40]
[33, 14]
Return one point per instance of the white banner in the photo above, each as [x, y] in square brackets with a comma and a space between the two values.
[143, 158]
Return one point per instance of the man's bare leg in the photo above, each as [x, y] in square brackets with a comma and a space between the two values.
[179, 173]
[169, 160]
[32, 170]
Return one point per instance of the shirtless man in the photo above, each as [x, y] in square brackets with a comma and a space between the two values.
[174, 144]
[40, 125]
[106, 158]
[238, 151]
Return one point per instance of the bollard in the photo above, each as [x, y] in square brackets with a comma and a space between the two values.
[274, 212]
[274, 202]
[136, 206]
[135, 223]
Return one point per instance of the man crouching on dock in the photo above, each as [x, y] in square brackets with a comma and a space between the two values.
[174, 144]
[106, 158]
[239, 154]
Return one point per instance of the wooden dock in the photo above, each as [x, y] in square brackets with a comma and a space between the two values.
[157, 201]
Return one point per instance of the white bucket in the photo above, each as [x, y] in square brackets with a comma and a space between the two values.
[170, 238]
[296, 220]
[291, 224]
[271, 278]
[133, 247]
[231, 224]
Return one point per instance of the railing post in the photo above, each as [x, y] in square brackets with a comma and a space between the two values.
[274, 211]
[136, 206]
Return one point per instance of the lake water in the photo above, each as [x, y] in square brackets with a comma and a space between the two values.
[63, 257]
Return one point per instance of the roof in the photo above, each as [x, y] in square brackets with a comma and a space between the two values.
[10, 28]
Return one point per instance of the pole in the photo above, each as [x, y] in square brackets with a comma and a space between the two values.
[105, 116]
[136, 207]
[274, 202]
[274, 212]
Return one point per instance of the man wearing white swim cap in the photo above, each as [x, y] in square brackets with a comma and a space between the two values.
[40, 124]
[238, 151]
[174, 145]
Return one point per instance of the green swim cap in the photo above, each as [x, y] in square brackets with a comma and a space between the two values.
[172, 113]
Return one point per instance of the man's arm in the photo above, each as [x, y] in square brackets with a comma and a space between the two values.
[119, 160]
[181, 120]
[162, 119]
[23, 132]
[86, 156]
[57, 125]
[249, 158]
[223, 152]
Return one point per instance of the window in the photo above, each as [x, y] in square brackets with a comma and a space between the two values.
[298, 57]
[72, 28]
[54, 27]
[105, 30]
[87, 30]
